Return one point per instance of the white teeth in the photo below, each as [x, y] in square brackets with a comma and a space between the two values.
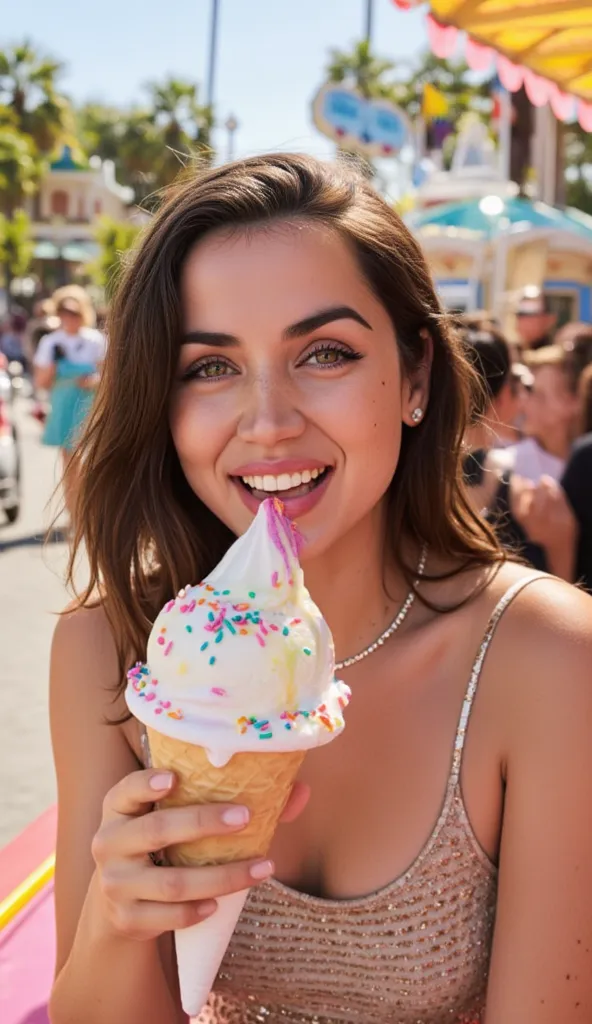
[284, 482]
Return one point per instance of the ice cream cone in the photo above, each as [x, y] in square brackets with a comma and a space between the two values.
[261, 782]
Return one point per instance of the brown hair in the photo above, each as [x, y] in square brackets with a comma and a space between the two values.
[146, 533]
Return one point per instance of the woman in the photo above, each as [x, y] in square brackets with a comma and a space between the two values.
[279, 317]
[67, 362]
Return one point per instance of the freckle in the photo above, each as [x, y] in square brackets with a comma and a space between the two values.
[568, 977]
[383, 382]
[577, 1004]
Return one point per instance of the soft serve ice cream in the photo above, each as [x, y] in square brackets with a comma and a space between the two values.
[239, 684]
[243, 661]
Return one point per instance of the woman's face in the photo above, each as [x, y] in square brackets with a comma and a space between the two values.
[289, 382]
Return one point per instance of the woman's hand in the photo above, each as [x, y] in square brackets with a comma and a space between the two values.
[142, 900]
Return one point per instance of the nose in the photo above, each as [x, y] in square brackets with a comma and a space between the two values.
[270, 415]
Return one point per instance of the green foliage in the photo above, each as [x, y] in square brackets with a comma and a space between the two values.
[20, 168]
[150, 145]
[578, 158]
[29, 98]
[16, 245]
[115, 239]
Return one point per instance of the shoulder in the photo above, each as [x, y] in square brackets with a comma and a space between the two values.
[84, 662]
[94, 336]
[543, 657]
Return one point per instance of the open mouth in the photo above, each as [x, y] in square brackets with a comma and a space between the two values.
[286, 486]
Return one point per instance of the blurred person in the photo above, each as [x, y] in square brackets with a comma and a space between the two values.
[67, 364]
[550, 416]
[12, 333]
[279, 318]
[535, 320]
[511, 504]
[577, 483]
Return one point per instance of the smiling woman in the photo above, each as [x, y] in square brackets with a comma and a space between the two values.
[278, 332]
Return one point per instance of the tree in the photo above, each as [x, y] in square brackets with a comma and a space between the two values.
[115, 239]
[29, 97]
[16, 246]
[361, 70]
[150, 145]
[184, 124]
[20, 168]
[578, 159]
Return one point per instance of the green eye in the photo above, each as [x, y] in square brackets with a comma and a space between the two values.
[213, 370]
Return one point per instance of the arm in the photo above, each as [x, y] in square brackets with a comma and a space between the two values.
[541, 968]
[100, 976]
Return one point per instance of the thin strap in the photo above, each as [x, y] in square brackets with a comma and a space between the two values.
[497, 613]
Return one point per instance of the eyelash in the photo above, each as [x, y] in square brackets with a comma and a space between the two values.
[347, 355]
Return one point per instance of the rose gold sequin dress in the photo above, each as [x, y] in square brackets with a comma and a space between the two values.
[415, 952]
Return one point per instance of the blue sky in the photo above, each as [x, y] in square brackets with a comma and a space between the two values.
[271, 53]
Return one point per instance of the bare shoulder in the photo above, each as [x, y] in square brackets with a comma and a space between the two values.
[543, 652]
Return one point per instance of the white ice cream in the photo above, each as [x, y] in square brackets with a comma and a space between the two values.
[243, 661]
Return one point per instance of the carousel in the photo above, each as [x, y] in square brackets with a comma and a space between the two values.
[484, 242]
[485, 248]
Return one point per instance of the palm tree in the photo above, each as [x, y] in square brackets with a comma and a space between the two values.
[184, 125]
[20, 169]
[29, 94]
[361, 70]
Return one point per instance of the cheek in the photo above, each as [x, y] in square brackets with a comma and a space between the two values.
[198, 434]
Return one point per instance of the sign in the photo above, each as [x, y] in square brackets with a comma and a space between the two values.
[371, 127]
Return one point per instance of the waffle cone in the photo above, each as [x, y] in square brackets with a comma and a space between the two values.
[260, 781]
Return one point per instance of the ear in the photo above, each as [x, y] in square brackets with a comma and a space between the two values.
[416, 388]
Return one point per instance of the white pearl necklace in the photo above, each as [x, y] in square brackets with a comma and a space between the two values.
[399, 618]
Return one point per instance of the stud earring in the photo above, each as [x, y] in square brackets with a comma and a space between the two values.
[417, 415]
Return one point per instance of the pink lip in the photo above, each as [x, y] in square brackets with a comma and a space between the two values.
[278, 467]
[295, 507]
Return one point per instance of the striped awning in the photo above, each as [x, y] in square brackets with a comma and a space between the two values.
[545, 45]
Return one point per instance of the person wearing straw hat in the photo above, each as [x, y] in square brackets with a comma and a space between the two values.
[66, 363]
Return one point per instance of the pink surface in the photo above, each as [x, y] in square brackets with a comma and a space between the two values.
[27, 950]
[27, 851]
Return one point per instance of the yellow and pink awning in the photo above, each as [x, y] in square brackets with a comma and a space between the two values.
[543, 45]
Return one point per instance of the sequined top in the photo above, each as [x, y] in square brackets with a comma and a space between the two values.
[414, 952]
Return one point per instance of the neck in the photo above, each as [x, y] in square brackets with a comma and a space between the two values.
[356, 591]
[556, 442]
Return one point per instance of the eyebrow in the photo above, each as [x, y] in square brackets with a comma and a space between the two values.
[300, 329]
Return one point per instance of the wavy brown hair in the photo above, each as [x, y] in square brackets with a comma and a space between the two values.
[146, 533]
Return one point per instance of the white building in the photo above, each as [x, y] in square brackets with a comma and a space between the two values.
[64, 214]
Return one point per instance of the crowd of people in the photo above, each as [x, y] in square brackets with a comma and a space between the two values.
[526, 449]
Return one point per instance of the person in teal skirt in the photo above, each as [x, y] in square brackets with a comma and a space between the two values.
[67, 363]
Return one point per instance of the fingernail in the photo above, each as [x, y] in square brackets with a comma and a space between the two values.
[235, 816]
[164, 780]
[263, 869]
